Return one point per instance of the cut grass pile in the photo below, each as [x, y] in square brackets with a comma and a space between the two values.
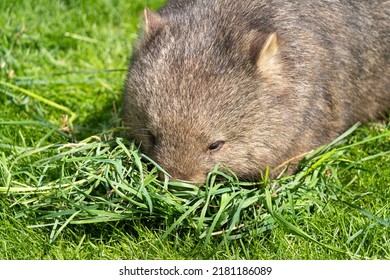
[96, 181]
[71, 188]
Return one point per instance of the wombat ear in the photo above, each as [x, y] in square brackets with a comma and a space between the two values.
[153, 22]
[266, 59]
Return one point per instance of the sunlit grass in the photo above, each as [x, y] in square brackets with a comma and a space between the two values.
[73, 188]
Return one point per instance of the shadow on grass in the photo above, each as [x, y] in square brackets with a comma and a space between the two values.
[98, 122]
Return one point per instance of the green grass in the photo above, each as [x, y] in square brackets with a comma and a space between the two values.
[89, 194]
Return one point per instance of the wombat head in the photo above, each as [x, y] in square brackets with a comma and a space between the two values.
[194, 99]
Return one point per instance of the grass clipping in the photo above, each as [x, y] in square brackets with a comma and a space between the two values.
[103, 181]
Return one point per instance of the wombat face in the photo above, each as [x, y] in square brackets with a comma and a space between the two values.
[191, 109]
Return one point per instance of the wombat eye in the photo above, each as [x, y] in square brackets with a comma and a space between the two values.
[216, 146]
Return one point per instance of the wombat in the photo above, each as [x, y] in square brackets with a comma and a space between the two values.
[253, 83]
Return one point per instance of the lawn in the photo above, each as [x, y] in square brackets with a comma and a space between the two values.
[72, 188]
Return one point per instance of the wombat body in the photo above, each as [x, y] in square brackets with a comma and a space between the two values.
[253, 83]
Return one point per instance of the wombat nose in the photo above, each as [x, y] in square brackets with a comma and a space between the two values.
[161, 176]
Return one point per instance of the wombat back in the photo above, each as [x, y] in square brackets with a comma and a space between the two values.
[253, 83]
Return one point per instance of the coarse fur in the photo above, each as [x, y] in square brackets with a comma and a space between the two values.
[253, 83]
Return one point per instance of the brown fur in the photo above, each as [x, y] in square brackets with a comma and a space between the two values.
[253, 83]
